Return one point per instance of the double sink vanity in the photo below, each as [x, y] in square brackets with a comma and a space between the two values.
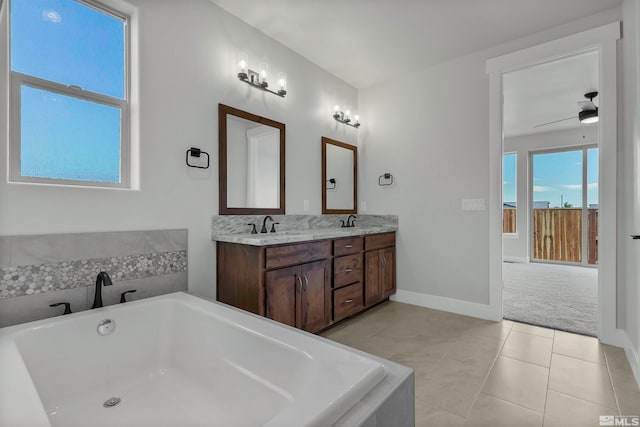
[316, 270]
[309, 279]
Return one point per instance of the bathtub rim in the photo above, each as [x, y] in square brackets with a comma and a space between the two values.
[8, 336]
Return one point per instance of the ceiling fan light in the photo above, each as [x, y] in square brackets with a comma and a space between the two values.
[588, 116]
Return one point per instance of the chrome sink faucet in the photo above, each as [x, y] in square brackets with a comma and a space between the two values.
[102, 279]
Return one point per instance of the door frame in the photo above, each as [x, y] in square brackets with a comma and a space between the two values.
[602, 40]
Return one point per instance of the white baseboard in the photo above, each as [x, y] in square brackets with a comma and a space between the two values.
[467, 308]
[509, 258]
[634, 358]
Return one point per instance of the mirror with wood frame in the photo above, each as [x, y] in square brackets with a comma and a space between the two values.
[251, 163]
[339, 177]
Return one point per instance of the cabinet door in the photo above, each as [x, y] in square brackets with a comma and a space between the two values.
[316, 295]
[372, 288]
[388, 274]
[283, 295]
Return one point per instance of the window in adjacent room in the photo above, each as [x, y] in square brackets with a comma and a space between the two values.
[509, 205]
[69, 112]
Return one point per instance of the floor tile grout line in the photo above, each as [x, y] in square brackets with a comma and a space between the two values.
[512, 403]
[580, 398]
[615, 394]
[527, 362]
[484, 381]
[546, 395]
[578, 358]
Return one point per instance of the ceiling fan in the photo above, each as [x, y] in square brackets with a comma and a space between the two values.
[588, 111]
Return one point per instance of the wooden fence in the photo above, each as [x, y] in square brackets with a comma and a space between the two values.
[508, 220]
[557, 233]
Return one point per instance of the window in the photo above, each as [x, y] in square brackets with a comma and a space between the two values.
[509, 201]
[69, 112]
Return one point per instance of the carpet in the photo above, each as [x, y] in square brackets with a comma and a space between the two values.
[563, 297]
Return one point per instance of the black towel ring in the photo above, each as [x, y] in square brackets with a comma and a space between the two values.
[386, 177]
[196, 152]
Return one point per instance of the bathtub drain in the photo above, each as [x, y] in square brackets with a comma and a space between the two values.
[111, 402]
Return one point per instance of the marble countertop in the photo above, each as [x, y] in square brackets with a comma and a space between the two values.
[294, 236]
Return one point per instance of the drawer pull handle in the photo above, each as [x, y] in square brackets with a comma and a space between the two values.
[348, 246]
[299, 284]
[348, 301]
[348, 270]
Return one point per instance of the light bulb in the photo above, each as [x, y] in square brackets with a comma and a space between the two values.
[282, 81]
[337, 108]
[347, 113]
[243, 64]
[264, 72]
[357, 118]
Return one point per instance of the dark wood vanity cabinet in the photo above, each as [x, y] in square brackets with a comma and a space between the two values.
[380, 273]
[348, 277]
[308, 285]
[300, 296]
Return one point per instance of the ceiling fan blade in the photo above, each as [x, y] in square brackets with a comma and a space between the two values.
[555, 121]
[586, 105]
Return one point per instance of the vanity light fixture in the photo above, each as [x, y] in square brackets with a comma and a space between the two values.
[260, 78]
[344, 117]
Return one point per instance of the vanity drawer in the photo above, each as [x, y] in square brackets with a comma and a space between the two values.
[282, 256]
[377, 241]
[347, 269]
[347, 301]
[348, 246]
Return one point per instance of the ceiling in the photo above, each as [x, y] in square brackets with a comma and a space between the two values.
[366, 41]
[547, 93]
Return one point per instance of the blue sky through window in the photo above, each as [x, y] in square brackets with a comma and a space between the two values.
[57, 133]
[509, 178]
[557, 177]
[69, 43]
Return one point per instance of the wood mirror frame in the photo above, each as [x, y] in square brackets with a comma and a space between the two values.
[329, 141]
[223, 112]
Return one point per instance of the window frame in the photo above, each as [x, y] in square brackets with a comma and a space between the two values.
[18, 80]
[515, 154]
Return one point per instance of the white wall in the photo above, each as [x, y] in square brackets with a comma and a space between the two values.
[430, 129]
[629, 182]
[516, 246]
[187, 57]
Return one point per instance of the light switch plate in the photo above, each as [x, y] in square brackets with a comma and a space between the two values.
[305, 206]
[473, 204]
[363, 206]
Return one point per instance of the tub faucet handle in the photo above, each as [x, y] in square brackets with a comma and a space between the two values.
[123, 296]
[67, 306]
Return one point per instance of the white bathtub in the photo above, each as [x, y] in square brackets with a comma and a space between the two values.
[175, 360]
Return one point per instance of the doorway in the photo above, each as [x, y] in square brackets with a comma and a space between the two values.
[603, 41]
[558, 288]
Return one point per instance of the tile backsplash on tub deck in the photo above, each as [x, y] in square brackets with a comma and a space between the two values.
[37, 270]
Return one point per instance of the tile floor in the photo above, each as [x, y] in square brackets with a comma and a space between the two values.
[472, 372]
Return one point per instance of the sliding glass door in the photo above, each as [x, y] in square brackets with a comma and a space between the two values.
[564, 205]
